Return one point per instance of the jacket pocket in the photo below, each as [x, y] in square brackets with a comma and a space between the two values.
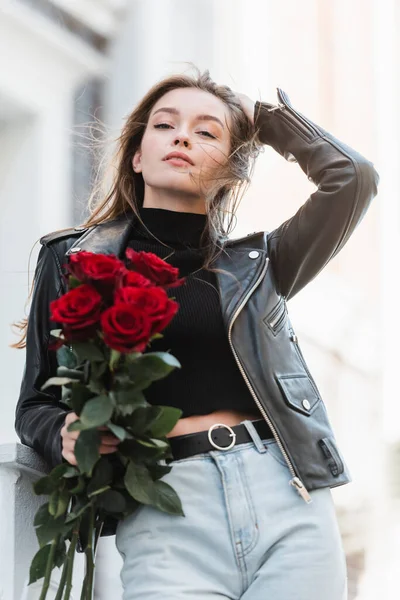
[299, 393]
[276, 318]
[331, 453]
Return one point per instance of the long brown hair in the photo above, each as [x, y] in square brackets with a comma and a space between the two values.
[125, 193]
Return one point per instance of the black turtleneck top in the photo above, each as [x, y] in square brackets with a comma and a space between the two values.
[209, 378]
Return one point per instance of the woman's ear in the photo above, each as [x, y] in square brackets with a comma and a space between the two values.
[137, 161]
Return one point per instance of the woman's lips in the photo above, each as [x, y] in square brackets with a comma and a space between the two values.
[179, 162]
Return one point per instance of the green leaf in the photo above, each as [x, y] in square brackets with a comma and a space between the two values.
[47, 531]
[60, 554]
[76, 426]
[62, 504]
[87, 351]
[131, 379]
[57, 381]
[87, 450]
[42, 515]
[78, 487]
[53, 502]
[38, 566]
[96, 386]
[129, 398]
[71, 373]
[167, 499]
[152, 442]
[73, 515]
[132, 356]
[142, 418]
[137, 452]
[80, 394]
[66, 357]
[152, 366]
[166, 420]
[102, 475]
[118, 431]
[112, 501]
[71, 471]
[158, 471]
[97, 411]
[52, 481]
[139, 483]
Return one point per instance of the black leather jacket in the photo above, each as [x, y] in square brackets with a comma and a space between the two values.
[270, 268]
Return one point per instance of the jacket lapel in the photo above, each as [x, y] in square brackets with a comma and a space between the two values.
[112, 238]
[107, 238]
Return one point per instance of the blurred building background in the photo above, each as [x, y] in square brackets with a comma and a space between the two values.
[64, 63]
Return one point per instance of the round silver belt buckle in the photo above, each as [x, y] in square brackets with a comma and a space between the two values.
[232, 435]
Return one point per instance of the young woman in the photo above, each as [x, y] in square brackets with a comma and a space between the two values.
[254, 452]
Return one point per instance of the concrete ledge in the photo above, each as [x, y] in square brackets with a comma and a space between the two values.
[21, 457]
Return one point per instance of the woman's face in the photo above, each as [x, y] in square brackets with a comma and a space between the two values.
[192, 122]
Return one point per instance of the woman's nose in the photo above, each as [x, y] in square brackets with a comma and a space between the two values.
[182, 139]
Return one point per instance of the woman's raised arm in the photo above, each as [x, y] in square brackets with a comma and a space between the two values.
[347, 182]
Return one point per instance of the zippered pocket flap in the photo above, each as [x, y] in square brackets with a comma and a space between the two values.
[332, 455]
[276, 317]
[299, 393]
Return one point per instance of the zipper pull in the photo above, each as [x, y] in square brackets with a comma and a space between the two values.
[300, 488]
[280, 106]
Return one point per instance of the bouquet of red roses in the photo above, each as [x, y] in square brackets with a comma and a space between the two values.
[109, 316]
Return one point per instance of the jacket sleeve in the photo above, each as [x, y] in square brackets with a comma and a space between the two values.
[347, 182]
[39, 415]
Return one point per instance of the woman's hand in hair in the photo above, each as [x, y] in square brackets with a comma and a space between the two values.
[108, 444]
[248, 106]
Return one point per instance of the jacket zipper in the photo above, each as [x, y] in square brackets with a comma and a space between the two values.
[278, 315]
[307, 125]
[295, 481]
[295, 341]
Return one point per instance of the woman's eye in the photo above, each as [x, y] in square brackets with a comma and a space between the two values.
[163, 125]
[208, 133]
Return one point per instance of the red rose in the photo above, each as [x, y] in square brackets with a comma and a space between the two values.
[90, 267]
[78, 311]
[126, 328]
[154, 268]
[133, 279]
[153, 301]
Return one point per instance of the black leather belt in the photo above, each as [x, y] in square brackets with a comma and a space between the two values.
[218, 437]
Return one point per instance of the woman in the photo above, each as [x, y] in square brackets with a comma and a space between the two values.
[254, 452]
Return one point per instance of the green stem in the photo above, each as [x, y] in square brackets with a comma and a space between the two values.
[99, 528]
[70, 561]
[90, 556]
[61, 585]
[49, 568]
[83, 592]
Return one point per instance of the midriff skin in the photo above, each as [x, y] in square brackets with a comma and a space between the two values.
[196, 423]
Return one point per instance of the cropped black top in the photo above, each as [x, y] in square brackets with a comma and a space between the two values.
[209, 379]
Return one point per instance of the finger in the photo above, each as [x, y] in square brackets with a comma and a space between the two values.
[72, 435]
[107, 449]
[109, 440]
[70, 457]
[71, 417]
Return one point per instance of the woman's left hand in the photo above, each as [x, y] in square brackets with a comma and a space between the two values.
[248, 105]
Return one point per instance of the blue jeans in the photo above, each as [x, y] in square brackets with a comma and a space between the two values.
[247, 533]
